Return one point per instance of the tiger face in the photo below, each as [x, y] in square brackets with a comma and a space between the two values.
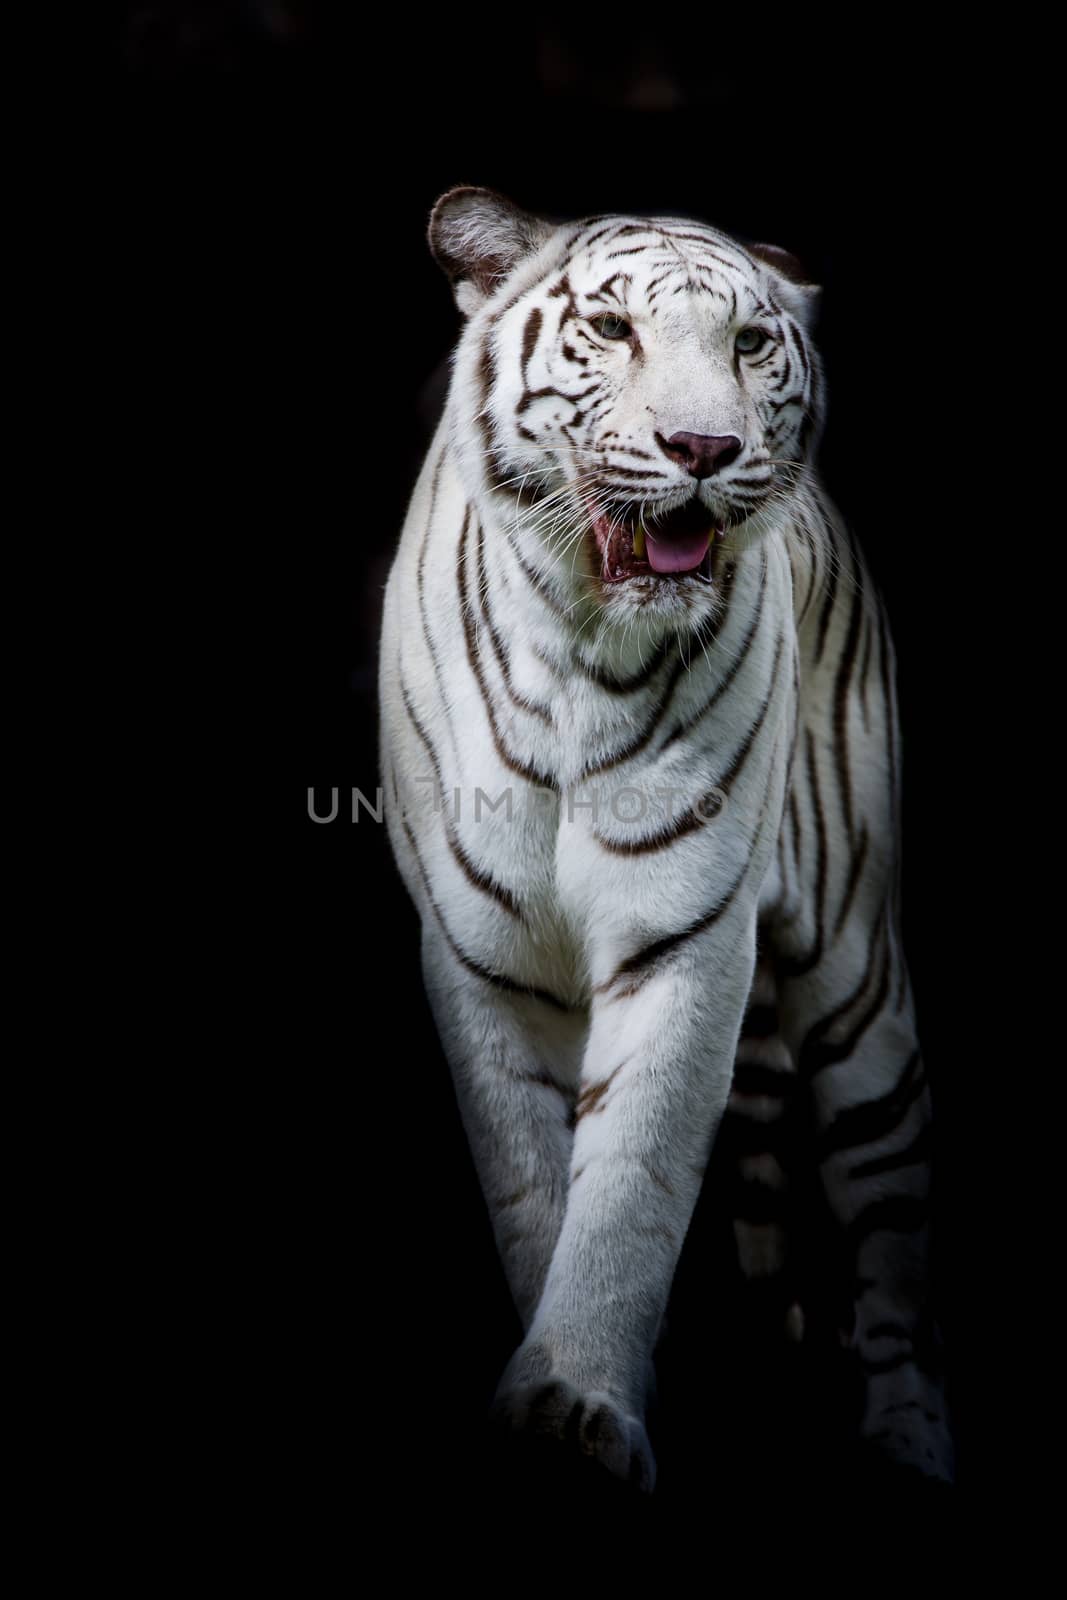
[646, 395]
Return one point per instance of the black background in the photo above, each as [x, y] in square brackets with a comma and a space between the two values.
[273, 325]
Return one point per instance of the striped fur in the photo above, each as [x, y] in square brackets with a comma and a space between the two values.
[684, 915]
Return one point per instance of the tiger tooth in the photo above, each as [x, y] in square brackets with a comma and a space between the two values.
[639, 543]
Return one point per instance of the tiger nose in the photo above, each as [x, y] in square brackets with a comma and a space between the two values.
[702, 454]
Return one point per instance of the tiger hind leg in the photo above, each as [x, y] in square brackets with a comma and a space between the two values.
[758, 1138]
[867, 1100]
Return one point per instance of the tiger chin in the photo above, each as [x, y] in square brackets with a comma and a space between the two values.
[639, 729]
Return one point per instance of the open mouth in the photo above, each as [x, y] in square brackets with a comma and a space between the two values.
[679, 543]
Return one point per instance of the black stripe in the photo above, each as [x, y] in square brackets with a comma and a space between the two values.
[797, 966]
[487, 379]
[476, 875]
[535, 578]
[611, 471]
[890, 1364]
[876, 1119]
[868, 640]
[828, 603]
[800, 347]
[498, 980]
[683, 728]
[651, 953]
[530, 335]
[420, 582]
[640, 740]
[842, 684]
[813, 553]
[499, 650]
[859, 858]
[755, 1077]
[521, 768]
[726, 782]
[895, 1214]
[497, 475]
[613, 685]
[587, 244]
[787, 371]
[889, 694]
[914, 1154]
[818, 1052]
[760, 1022]
[699, 813]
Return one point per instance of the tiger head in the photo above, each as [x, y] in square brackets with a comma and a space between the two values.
[632, 397]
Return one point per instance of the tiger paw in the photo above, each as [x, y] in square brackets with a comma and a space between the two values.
[905, 1423]
[592, 1425]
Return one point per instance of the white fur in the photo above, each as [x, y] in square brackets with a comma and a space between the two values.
[590, 1221]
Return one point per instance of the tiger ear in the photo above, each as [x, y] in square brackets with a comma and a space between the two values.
[476, 237]
[792, 282]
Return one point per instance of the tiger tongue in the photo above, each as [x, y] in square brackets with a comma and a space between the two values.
[680, 554]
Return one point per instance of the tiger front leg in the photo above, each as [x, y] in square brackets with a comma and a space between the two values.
[510, 1055]
[654, 1084]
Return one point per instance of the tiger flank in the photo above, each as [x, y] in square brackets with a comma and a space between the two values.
[641, 768]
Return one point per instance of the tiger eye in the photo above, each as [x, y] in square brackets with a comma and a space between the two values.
[610, 327]
[749, 340]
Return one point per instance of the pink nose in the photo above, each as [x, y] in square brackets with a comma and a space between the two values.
[701, 454]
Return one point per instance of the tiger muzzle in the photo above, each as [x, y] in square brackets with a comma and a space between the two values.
[634, 542]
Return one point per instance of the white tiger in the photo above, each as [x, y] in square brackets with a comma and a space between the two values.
[638, 727]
